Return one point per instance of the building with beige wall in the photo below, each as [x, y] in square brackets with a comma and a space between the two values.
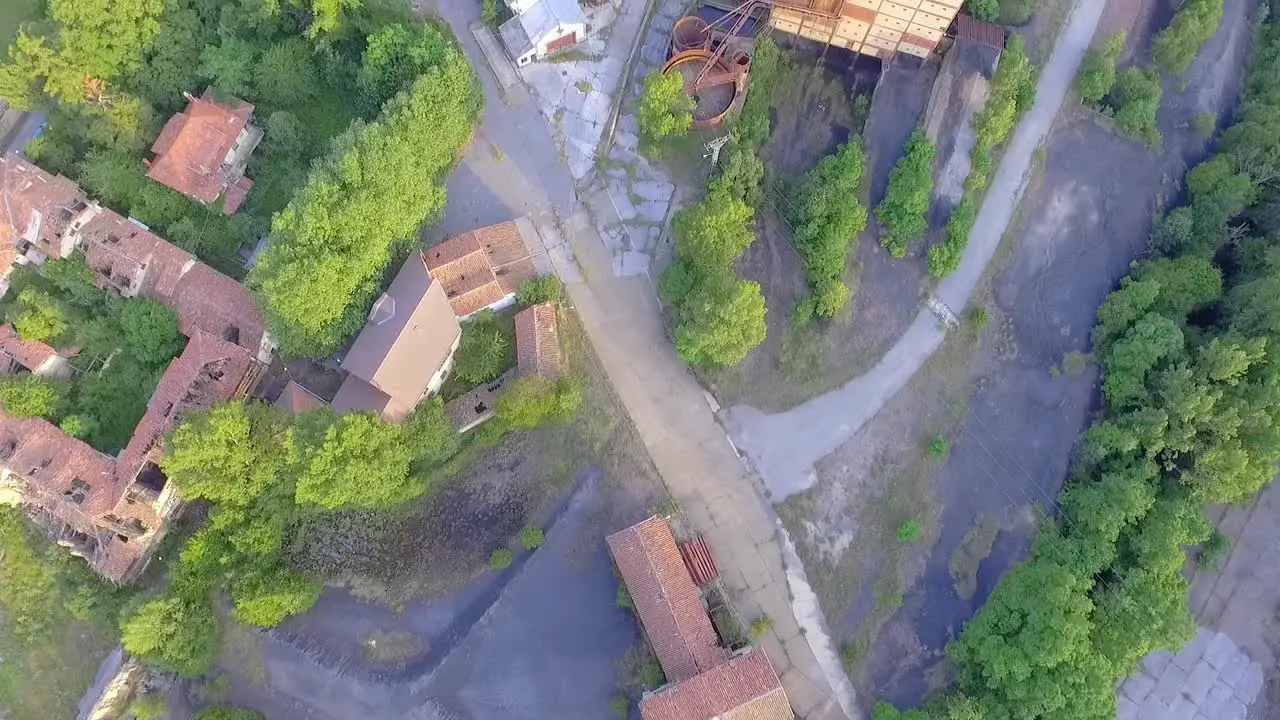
[879, 28]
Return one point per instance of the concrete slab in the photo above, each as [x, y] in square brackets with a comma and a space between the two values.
[1221, 648]
[1249, 683]
[1156, 662]
[1190, 654]
[1138, 687]
[1169, 687]
[1201, 679]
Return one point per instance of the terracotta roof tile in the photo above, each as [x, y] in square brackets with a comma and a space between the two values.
[666, 599]
[126, 256]
[743, 688]
[191, 148]
[52, 462]
[481, 267]
[208, 371]
[30, 354]
[538, 341]
[209, 301]
[38, 206]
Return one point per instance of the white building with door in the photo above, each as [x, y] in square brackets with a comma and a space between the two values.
[541, 28]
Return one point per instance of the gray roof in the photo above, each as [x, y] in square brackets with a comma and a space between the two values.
[515, 38]
[543, 16]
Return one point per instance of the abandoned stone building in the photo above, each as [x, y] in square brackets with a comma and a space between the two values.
[113, 511]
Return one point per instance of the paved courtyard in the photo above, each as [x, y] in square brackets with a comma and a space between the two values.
[1228, 672]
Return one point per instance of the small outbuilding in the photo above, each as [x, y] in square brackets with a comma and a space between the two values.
[542, 28]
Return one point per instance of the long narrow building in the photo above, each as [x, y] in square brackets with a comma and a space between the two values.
[113, 511]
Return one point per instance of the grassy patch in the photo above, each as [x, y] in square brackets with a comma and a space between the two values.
[969, 555]
[242, 650]
[1075, 362]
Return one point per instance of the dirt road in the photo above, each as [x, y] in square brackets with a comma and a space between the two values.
[785, 446]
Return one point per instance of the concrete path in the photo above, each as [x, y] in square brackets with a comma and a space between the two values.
[785, 446]
[516, 166]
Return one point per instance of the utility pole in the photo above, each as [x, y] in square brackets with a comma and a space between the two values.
[713, 149]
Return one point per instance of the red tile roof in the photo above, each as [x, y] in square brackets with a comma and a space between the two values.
[979, 31]
[208, 371]
[30, 354]
[481, 267]
[538, 341]
[191, 148]
[207, 300]
[666, 599]
[36, 206]
[126, 256]
[51, 461]
[743, 688]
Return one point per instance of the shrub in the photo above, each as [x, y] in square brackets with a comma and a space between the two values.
[939, 448]
[664, 110]
[761, 626]
[484, 352]
[541, 289]
[977, 317]
[501, 559]
[828, 217]
[909, 531]
[489, 13]
[988, 10]
[1137, 96]
[1205, 123]
[620, 706]
[622, 598]
[907, 199]
[30, 395]
[533, 400]
[1098, 70]
[531, 537]
[174, 634]
[1177, 45]
[226, 712]
[1214, 551]
[150, 706]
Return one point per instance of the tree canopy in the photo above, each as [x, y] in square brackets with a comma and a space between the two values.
[907, 199]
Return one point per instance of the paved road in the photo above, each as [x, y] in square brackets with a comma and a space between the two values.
[785, 446]
[31, 125]
[514, 168]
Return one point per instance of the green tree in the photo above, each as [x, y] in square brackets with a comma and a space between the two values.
[174, 634]
[541, 289]
[713, 233]
[229, 454]
[286, 75]
[1137, 95]
[395, 56]
[531, 537]
[484, 352]
[1186, 283]
[230, 65]
[39, 316]
[828, 215]
[1098, 70]
[362, 462]
[664, 110]
[266, 598]
[1177, 45]
[29, 395]
[988, 10]
[150, 706]
[150, 331]
[721, 321]
[339, 230]
[113, 176]
[907, 199]
[1150, 340]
